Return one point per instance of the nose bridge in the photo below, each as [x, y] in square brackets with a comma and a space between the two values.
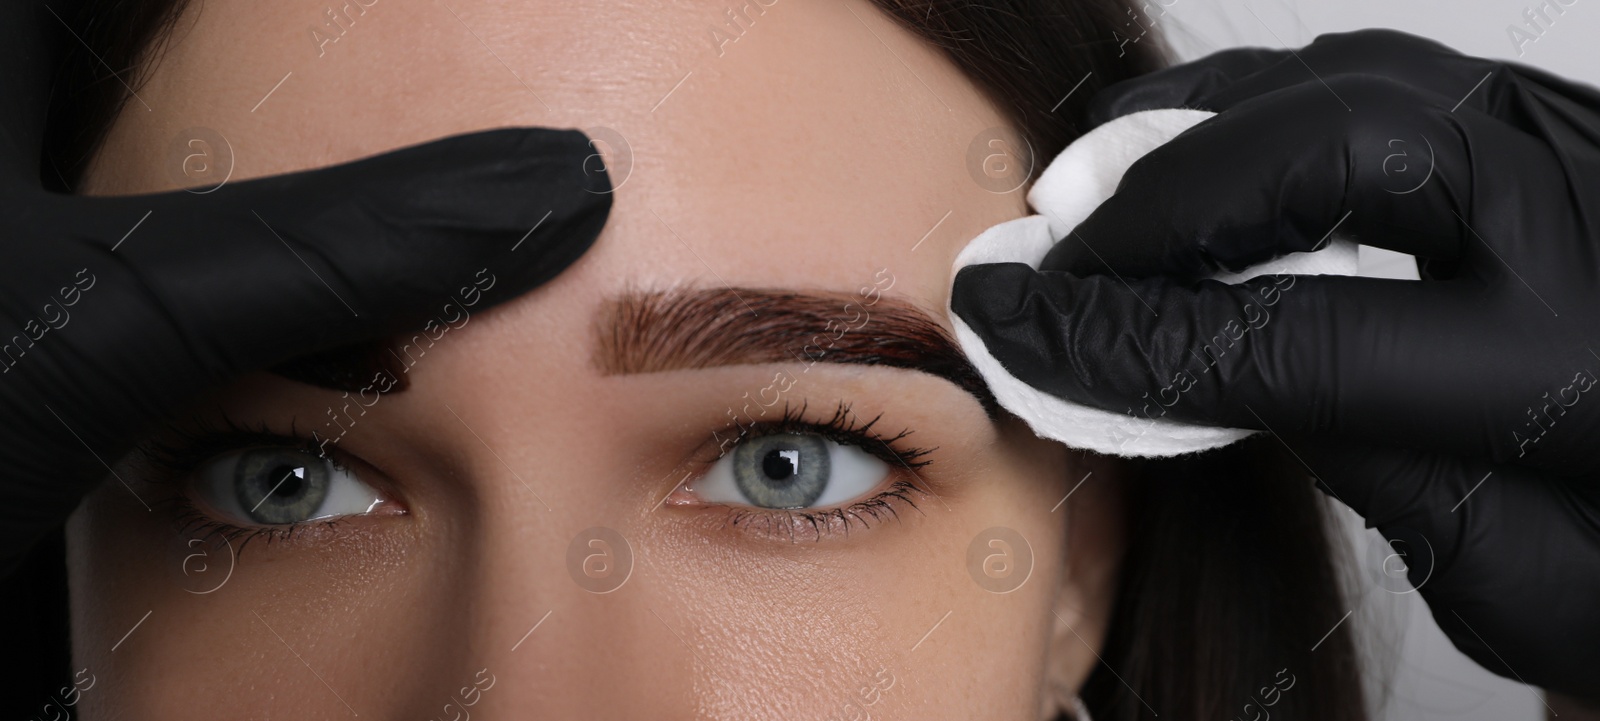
[566, 623]
[557, 614]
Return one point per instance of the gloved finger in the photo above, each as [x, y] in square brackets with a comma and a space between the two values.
[1295, 354]
[1430, 68]
[1222, 80]
[1449, 79]
[263, 270]
[1499, 552]
[1280, 174]
[201, 288]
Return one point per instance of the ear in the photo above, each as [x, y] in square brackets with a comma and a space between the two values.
[1096, 540]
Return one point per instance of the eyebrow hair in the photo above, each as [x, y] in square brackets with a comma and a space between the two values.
[687, 328]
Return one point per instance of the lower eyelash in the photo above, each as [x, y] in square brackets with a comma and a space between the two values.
[192, 522]
[844, 427]
[201, 439]
[778, 523]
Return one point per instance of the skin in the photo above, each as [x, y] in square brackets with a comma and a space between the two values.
[814, 151]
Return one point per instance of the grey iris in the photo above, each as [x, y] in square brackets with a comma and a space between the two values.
[279, 486]
[782, 470]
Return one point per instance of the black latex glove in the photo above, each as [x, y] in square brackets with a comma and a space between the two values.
[1400, 396]
[114, 311]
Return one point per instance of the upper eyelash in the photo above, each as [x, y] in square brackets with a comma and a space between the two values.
[206, 440]
[203, 440]
[844, 427]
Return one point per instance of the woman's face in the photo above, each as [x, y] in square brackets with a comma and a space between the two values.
[551, 530]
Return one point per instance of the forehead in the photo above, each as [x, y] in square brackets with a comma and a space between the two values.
[770, 142]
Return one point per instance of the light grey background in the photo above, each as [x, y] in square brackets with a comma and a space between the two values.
[1414, 670]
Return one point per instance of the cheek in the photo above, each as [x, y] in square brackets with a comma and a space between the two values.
[783, 635]
[177, 624]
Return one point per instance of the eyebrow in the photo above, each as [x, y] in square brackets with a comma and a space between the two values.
[690, 328]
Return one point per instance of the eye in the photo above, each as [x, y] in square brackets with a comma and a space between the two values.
[280, 486]
[790, 471]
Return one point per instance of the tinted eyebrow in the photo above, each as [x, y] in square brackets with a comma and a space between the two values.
[685, 328]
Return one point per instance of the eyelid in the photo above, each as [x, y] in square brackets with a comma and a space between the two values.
[183, 447]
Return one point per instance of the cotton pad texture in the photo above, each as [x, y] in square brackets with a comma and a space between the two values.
[1083, 176]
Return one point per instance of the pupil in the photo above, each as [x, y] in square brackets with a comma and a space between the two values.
[781, 464]
[286, 480]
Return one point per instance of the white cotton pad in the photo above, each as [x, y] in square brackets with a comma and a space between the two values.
[1077, 181]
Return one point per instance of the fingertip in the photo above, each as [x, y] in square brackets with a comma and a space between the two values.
[988, 290]
[1134, 234]
[401, 233]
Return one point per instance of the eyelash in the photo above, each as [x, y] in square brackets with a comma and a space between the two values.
[201, 441]
[845, 427]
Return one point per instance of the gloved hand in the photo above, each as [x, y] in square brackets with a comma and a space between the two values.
[115, 310]
[1459, 413]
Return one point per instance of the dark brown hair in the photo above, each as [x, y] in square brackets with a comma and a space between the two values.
[1229, 577]
[90, 88]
